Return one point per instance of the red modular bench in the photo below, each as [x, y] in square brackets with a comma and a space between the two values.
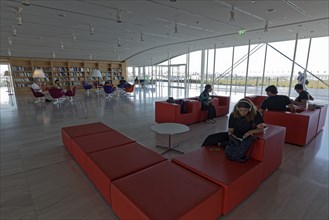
[170, 112]
[257, 100]
[239, 180]
[166, 191]
[81, 130]
[105, 166]
[82, 146]
[301, 127]
[322, 117]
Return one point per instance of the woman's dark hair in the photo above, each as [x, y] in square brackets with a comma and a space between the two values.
[272, 89]
[245, 103]
[208, 86]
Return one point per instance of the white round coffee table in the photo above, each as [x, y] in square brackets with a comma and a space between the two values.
[170, 129]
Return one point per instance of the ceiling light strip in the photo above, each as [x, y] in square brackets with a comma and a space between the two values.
[297, 8]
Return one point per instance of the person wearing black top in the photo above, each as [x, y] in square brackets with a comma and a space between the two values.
[244, 121]
[303, 96]
[276, 102]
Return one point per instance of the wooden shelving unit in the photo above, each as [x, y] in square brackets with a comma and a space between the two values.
[68, 72]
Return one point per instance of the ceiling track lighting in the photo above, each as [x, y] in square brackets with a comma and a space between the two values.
[54, 55]
[74, 38]
[114, 50]
[62, 45]
[119, 16]
[232, 14]
[14, 31]
[119, 44]
[10, 42]
[19, 20]
[91, 29]
[176, 28]
[26, 3]
[9, 52]
[266, 26]
[19, 10]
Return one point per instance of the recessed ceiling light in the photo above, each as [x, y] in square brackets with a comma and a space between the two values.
[26, 3]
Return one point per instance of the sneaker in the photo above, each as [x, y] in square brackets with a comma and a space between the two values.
[214, 119]
[48, 100]
[210, 121]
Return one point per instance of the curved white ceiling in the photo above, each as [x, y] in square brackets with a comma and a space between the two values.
[150, 29]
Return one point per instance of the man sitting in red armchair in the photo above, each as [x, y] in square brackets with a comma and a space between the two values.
[276, 102]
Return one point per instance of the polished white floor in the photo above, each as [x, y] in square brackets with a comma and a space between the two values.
[40, 180]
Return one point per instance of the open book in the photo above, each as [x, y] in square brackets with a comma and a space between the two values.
[240, 139]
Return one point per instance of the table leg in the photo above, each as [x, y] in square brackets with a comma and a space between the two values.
[170, 148]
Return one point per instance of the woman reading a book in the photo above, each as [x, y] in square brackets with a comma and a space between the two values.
[244, 122]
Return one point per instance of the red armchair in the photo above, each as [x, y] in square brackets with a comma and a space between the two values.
[71, 93]
[56, 93]
[301, 127]
[37, 95]
[257, 100]
[170, 112]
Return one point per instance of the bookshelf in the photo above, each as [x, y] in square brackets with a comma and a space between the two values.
[22, 74]
[68, 72]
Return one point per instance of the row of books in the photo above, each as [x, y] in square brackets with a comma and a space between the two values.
[45, 69]
[28, 79]
[22, 80]
[20, 68]
[77, 69]
[60, 74]
[60, 69]
[77, 74]
[23, 74]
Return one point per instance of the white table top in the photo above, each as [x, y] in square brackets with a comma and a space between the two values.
[170, 128]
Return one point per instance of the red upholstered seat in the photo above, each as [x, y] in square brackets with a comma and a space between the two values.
[239, 180]
[81, 146]
[301, 127]
[80, 130]
[166, 191]
[322, 117]
[268, 148]
[105, 166]
[171, 112]
[257, 100]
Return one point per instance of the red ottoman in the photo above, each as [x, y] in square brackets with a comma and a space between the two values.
[239, 180]
[107, 165]
[166, 191]
[80, 130]
[81, 146]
